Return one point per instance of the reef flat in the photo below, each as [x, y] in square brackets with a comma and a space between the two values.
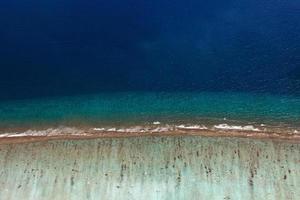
[152, 167]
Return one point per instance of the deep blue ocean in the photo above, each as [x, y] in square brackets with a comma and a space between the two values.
[138, 61]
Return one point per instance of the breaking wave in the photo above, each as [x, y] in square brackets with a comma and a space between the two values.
[154, 128]
[241, 128]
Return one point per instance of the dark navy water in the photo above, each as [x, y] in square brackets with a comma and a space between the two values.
[65, 49]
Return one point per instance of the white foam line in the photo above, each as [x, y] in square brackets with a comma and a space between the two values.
[134, 129]
[137, 129]
[46, 132]
[99, 129]
[4, 135]
[195, 127]
[111, 130]
[241, 128]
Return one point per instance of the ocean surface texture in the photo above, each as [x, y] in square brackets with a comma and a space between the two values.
[125, 110]
[108, 63]
[212, 86]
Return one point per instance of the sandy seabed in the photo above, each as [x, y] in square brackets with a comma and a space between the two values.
[149, 167]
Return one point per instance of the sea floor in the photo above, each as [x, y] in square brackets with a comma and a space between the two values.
[151, 167]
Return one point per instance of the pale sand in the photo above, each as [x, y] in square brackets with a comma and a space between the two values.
[150, 168]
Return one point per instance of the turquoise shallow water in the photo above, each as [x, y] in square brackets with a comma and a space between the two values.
[144, 108]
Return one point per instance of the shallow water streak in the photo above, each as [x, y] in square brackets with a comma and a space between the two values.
[151, 168]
